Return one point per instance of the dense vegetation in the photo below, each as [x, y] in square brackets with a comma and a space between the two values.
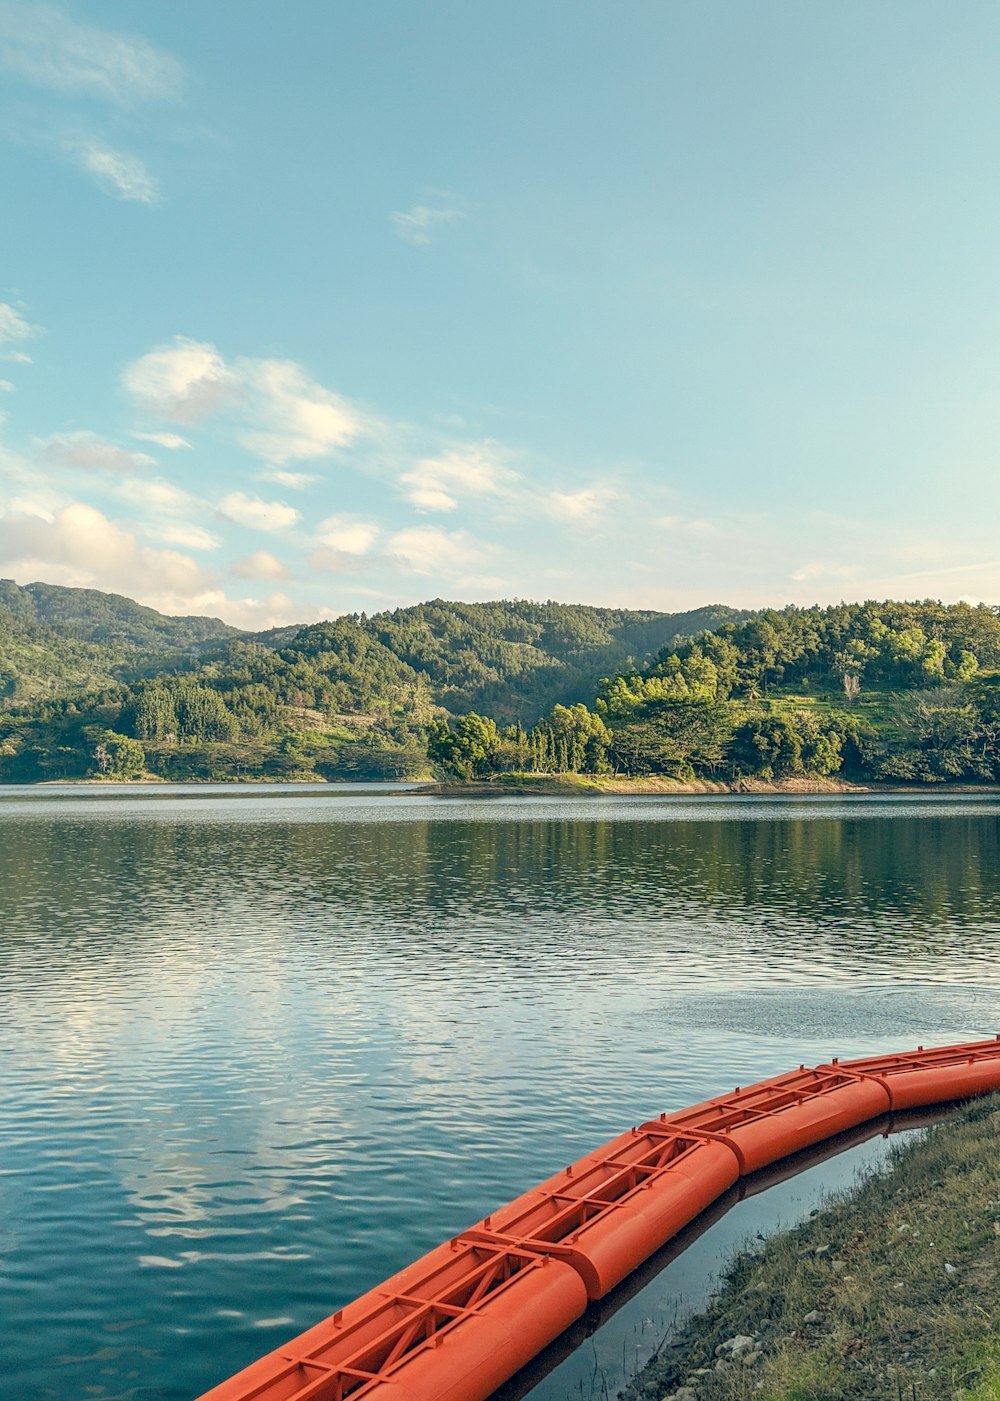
[58, 641]
[93, 684]
[82, 693]
[883, 691]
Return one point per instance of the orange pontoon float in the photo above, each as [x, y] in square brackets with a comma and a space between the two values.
[460, 1321]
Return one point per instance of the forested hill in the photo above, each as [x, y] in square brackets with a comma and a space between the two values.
[871, 692]
[515, 660]
[110, 619]
[354, 695]
[57, 641]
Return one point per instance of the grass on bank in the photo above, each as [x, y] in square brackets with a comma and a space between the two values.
[892, 1291]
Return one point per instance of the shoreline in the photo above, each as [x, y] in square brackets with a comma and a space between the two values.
[552, 785]
[889, 1290]
[586, 785]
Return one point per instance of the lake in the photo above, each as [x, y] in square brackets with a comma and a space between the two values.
[260, 1047]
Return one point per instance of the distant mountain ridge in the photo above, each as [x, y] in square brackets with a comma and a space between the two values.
[88, 615]
[95, 685]
[61, 641]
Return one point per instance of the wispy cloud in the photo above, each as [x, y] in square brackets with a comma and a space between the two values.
[15, 327]
[585, 506]
[43, 45]
[171, 441]
[419, 223]
[80, 66]
[116, 172]
[292, 417]
[262, 565]
[296, 481]
[90, 453]
[426, 549]
[155, 494]
[276, 409]
[185, 381]
[347, 535]
[255, 514]
[474, 469]
[165, 509]
[187, 535]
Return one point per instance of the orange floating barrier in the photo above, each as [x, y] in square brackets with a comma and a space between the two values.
[922, 1077]
[611, 1210]
[461, 1320]
[781, 1116]
[484, 1311]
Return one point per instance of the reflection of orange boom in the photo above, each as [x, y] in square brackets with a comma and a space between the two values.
[460, 1321]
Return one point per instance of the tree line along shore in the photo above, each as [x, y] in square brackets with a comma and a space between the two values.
[892, 1290]
[93, 686]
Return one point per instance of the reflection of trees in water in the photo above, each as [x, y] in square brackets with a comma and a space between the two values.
[931, 872]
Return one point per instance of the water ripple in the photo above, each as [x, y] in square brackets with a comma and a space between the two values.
[259, 1050]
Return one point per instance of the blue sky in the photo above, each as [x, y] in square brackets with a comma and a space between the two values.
[334, 306]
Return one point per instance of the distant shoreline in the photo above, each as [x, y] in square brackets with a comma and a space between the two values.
[573, 785]
[554, 785]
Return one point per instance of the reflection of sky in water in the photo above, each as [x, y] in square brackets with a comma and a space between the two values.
[258, 1051]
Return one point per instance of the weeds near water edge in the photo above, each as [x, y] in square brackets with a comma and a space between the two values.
[891, 1291]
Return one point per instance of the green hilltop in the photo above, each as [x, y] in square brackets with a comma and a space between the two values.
[94, 684]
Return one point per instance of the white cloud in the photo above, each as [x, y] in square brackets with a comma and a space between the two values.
[188, 536]
[155, 494]
[277, 410]
[347, 536]
[185, 381]
[6, 387]
[171, 441]
[473, 469]
[418, 224]
[294, 418]
[82, 548]
[330, 561]
[78, 546]
[585, 506]
[261, 565]
[426, 549]
[14, 327]
[275, 611]
[43, 45]
[90, 453]
[296, 481]
[117, 173]
[255, 514]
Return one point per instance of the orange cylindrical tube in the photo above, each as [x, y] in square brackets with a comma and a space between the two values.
[461, 1320]
[801, 1125]
[606, 1251]
[487, 1348]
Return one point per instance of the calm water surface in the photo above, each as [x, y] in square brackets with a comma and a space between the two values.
[260, 1048]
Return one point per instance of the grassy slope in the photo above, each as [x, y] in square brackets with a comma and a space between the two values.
[856, 1303]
